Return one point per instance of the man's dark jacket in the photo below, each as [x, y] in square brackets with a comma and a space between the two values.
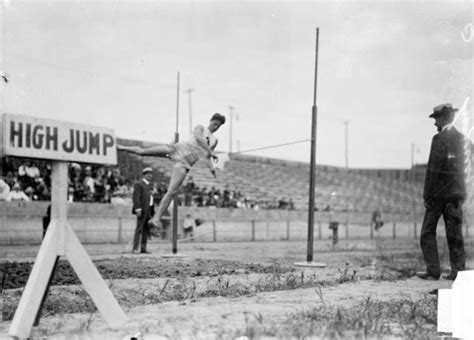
[445, 174]
[141, 197]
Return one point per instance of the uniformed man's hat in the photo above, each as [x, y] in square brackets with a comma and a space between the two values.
[443, 109]
[147, 170]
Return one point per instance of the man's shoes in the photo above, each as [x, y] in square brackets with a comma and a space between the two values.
[451, 276]
[144, 252]
[428, 276]
[134, 251]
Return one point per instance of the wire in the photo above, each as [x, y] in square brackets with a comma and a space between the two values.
[272, 146]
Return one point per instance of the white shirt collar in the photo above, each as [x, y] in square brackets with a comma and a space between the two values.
[147, 183]
[447, 126]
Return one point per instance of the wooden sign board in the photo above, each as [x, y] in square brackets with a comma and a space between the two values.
[61, 142]
[30, 137]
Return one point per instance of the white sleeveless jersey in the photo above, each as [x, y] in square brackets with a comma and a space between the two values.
[190, 151]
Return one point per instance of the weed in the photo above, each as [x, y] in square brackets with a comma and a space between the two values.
[345, 276]
[319, 292]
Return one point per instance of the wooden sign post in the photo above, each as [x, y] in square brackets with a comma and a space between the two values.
[61, 142]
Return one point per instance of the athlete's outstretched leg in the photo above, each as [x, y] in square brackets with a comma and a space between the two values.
[158, 151]
[178, 174]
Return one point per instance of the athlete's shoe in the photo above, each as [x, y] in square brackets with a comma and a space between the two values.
[155, 226]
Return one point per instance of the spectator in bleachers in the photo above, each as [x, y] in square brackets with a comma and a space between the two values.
[100, 185]
[282, 204]
[188, 197]
[70, 194]
[42, 192]
[226, 197]
[4, 190]
[11, 179]
[255, 206]
[89, 185]
[188, 226]
[377, 221]
[211, 199]
[291, 204]
[75, 182]
[28, 174]
[240, 203]
[114, 180]
[30, 192]
[200, 197]
[16, 194]
[190, 185]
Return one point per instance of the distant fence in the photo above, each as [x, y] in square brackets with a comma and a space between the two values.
[21, 223]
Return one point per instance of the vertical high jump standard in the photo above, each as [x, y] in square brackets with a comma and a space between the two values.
[312, 175]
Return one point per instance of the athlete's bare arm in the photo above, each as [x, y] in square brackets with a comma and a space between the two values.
[213, 147]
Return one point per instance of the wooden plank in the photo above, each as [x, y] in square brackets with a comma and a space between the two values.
[92, 281]
[59, 201]
[32, 295]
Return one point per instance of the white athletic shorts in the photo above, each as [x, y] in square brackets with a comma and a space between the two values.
[184, 155]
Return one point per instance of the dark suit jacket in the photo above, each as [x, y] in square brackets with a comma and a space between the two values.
[445, 174]
[141, 197]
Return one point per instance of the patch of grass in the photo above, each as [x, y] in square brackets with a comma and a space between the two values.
[366, 320]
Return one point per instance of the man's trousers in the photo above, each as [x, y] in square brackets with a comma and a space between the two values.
[452, 215]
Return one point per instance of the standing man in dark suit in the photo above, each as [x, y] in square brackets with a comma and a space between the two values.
[444, 193]
[143, 208]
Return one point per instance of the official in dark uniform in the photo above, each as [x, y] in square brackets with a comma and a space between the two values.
[143, 208]
[444, 193]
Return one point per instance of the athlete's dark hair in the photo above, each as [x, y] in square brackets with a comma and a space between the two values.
[220, 118]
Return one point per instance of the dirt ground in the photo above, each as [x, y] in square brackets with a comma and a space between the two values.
[253, 290]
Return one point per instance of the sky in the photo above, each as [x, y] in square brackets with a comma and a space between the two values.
[382, 67]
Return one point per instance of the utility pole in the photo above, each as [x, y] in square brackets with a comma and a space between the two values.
[189, 91]
[3, 75]
[412, 179]
[231, 118]
[174, 236]
[346, 138]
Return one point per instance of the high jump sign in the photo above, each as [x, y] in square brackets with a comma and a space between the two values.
[56, 140]
[61, 142]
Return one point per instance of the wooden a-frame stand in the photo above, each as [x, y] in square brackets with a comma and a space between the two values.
[60, 240]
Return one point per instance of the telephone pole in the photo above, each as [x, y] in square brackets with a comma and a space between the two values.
[231, 118]
[346, 139]
[189, 91]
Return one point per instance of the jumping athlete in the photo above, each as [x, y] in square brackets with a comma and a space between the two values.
[200, 146]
